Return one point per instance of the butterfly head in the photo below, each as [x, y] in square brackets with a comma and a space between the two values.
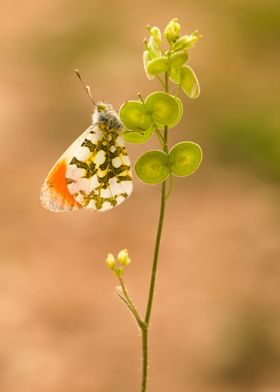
[105, 115]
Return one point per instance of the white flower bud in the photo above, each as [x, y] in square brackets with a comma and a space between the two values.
[172, 30]
[110, 261]
[123, 257]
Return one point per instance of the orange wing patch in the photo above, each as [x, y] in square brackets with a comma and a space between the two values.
[55, 195]
[57, 180]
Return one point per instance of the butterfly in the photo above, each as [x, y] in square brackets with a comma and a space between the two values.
[94, 173]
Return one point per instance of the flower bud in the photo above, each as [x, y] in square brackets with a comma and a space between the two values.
[172, 31]
[123, 257]
[187, 41]
[153, 47]
[155, 32]
[110, 261]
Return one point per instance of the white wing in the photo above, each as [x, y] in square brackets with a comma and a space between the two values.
[99, 173]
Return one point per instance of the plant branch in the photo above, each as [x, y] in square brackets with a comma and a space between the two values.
[161, 82]
[159, 135]
[130, 304]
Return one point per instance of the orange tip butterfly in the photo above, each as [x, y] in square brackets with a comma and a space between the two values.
[94, 173]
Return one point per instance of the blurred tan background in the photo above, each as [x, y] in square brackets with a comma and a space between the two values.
[215, 322]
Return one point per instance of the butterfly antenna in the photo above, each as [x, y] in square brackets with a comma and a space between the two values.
[87, 88]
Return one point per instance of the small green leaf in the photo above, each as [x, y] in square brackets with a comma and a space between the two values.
[158, 65]
[152, 167]
[185, 158]
[164, 108]
[137, 137]
[178, 58]
[134, 116]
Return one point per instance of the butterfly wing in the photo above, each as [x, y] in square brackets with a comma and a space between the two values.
[55, 195]
[99, 174]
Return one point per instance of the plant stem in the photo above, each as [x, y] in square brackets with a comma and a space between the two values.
[145, 328]
[161, 82]
[156, 252]
[144, 358]
[170, 187]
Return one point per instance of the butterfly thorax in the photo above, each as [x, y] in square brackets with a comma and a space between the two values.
[106, 118]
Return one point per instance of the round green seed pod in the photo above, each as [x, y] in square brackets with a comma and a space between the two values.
[187, 41]
[153, 167]
[186, 78]
[181, 110]
[147, 58]
[190, 82]
[181, 43]
[134, 116]
[137, 137]
[163, 108]
[175, 75]
[178, 58]
[185, 158]
[158, 65]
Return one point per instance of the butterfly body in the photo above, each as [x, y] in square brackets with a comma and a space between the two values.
[94, 173]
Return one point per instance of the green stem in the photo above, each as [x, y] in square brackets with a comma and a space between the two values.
[145, 328]
[144, 358]
[170, 186]
[156, 252]
[159, 135]
[131, 305]
[166, 86]
[161, 82]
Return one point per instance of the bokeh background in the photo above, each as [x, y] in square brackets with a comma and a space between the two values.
[215, 322]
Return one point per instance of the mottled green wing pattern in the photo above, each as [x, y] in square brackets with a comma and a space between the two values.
[99, 174]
